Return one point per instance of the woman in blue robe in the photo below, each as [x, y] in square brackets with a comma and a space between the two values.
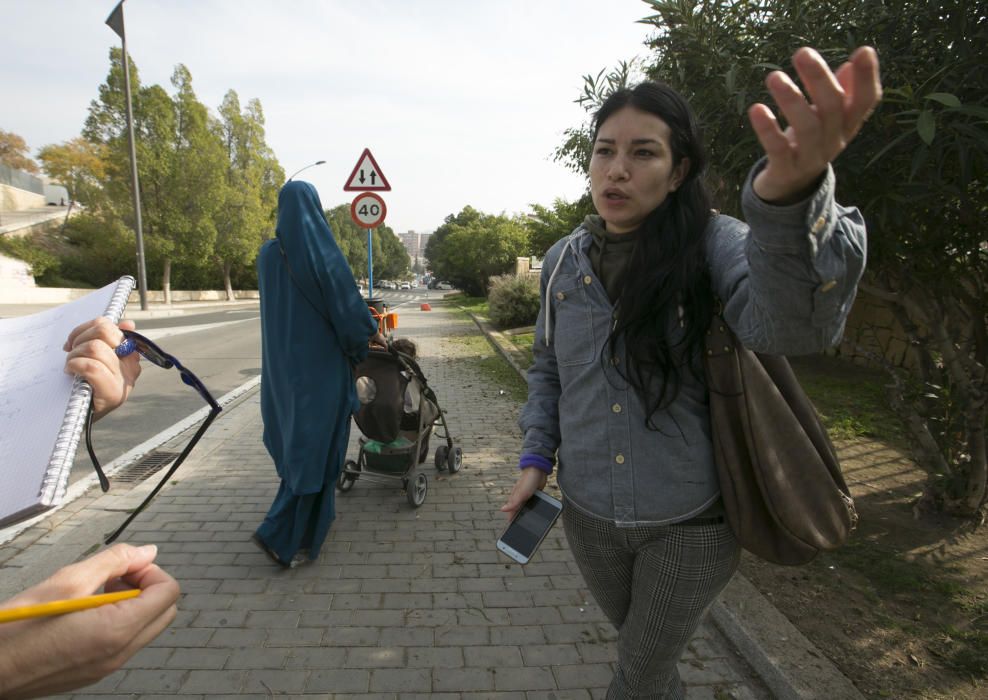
[314, 327]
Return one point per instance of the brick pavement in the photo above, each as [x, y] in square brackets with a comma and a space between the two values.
[403, 603]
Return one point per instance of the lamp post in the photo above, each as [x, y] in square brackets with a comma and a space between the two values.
[116, 22]
[310, 165]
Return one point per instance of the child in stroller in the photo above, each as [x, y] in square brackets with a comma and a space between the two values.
[398, 413]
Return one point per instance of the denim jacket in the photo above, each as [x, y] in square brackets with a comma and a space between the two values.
[787, 280]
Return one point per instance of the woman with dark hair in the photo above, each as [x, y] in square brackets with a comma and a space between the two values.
[617, 392]
[314, 327]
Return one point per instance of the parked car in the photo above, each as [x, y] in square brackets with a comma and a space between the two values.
[444, 286]
[406, 285]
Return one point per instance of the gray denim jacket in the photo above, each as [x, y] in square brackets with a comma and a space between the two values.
[787, 284]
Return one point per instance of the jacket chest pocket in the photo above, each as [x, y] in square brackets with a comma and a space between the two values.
[572, 333]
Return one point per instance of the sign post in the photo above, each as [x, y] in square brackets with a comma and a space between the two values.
[368, 209]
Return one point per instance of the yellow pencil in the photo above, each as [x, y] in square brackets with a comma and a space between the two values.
[60, 607]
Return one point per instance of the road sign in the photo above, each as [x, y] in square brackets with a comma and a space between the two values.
[368, 210]
[367, 176]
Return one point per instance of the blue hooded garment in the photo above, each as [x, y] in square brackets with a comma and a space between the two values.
[313, 329]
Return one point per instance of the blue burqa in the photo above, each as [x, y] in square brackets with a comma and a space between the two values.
[314, 327]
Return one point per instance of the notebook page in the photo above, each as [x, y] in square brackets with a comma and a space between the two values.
[35, 395]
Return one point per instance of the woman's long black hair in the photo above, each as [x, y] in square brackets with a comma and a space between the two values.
[667, 283]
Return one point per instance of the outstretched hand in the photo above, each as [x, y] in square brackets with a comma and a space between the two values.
[819, 127]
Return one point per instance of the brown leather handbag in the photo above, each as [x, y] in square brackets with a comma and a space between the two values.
[781, 482]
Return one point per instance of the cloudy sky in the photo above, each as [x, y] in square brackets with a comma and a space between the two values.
[460, 101]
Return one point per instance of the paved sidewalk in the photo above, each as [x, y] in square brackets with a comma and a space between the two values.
[403, 603]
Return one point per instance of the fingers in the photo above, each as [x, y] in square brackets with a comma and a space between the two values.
[827, 95]
[865, 88]
[770, 135]
[97, 329]
[88, 575]
[529, 481]
[91, 356]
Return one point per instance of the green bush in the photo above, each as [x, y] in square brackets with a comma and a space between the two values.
[513, 301]
[26, 249]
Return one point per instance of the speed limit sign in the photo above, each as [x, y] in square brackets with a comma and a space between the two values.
[368, 210]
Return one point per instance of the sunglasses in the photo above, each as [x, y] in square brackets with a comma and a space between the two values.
[135, 342]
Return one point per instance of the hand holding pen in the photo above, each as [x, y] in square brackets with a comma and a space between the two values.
[47, 655]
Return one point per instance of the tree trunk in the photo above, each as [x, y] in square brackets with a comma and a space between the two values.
[977, 477]
[226, 280]
[166, 281]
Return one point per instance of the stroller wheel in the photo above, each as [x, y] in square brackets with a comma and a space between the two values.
[416, 490]
[454, 460]
[441, 456]
[344, 482]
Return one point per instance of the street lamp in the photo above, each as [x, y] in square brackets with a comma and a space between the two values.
[116, 22]
[310, 165]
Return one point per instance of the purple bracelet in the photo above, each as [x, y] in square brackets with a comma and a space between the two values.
[537, 461]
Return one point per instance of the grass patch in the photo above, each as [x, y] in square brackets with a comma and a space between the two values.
[523, 342]
[851, 399]
[474, 305]
[482, 357]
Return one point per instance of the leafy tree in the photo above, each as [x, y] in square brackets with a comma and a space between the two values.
[14, 152]
[249, 197]
[471, 247]
[196, 180]
[393, 263]
[390, 257]
[79, 165]
[547, 225]
[917, 170]
[351, 238]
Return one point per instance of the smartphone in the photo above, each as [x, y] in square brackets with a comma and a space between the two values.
[529, 527]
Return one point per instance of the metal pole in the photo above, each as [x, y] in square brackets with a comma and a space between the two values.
[142, 283]
[370, 263]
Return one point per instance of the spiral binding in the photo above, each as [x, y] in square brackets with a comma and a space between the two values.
[56, 479]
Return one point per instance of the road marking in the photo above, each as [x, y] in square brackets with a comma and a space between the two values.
[158, 333]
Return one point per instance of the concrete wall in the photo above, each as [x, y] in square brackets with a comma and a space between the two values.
[14, 199]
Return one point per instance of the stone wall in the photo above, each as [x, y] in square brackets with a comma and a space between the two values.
[872, 328]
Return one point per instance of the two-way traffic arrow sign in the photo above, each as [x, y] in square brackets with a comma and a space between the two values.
[367, 176]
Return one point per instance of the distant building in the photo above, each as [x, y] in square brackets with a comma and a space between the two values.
[415, 246]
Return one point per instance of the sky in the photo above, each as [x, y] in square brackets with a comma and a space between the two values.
[461, 102]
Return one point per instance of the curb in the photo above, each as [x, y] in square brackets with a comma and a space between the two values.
[789, 664]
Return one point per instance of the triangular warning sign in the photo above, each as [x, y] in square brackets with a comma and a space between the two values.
[367, 176]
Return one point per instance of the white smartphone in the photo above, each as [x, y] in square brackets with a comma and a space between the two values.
[529, 527]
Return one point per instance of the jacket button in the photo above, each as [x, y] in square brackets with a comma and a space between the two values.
[560, 296]
[827, 286]
[587, 279]
[615, 360]
[616, 408]
[819, 224]
[619, 459]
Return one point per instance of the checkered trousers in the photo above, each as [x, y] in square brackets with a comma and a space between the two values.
[654, 584]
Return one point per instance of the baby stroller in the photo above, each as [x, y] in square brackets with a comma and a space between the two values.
[397, 415]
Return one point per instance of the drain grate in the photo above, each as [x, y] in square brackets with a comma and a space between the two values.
[141, 470]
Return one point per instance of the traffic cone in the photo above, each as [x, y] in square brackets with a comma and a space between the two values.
[426, 307]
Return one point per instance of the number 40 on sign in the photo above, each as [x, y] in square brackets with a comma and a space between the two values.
[368, 210]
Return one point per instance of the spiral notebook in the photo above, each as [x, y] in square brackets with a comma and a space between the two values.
[43, 409]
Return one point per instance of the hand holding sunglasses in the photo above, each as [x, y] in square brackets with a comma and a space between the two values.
[132, 343]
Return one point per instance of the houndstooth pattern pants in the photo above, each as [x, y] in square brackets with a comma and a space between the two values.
[654, 584]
